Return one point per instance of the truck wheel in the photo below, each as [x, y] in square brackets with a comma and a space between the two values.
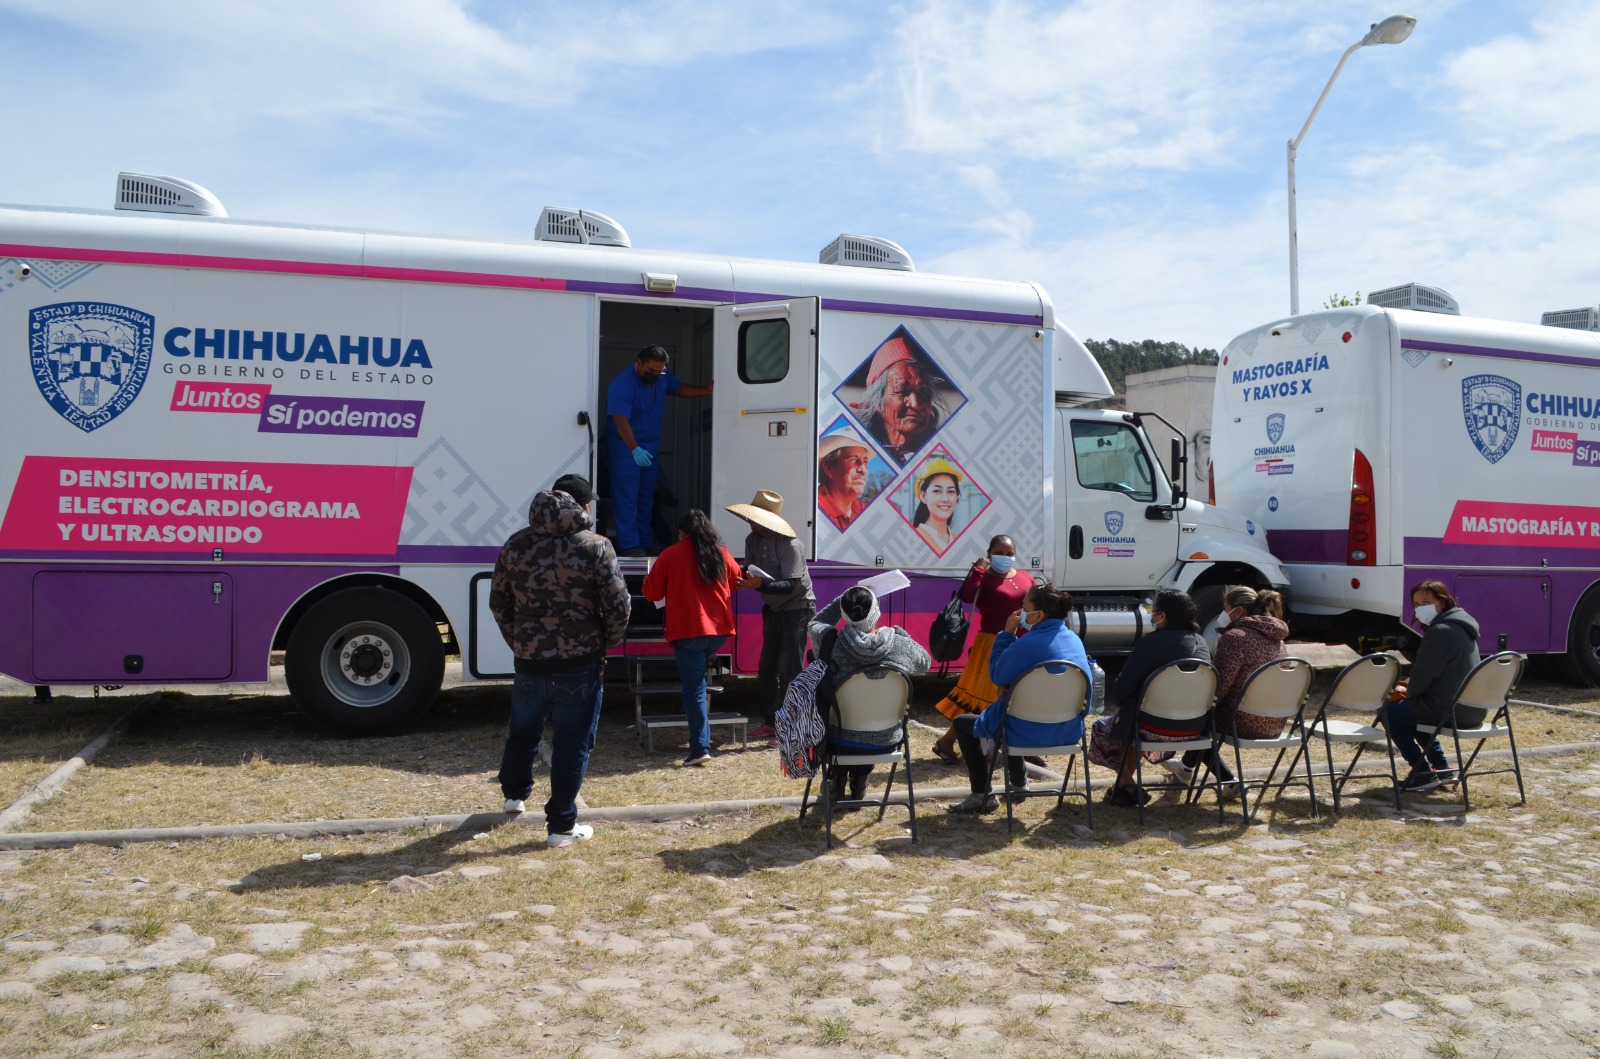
[365, 661]
[1580, 666]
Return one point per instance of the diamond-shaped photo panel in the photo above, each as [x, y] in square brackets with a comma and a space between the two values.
[850, 474]
[900, 397]
[940, 500]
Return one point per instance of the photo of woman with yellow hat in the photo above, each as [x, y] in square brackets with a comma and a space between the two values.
[940, 501]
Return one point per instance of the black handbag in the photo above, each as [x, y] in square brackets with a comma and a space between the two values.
[947, 637]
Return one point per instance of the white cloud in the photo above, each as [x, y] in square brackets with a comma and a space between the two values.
[1097, 85]
[1535, 88]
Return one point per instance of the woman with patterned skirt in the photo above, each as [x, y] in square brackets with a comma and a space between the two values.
[997, 588]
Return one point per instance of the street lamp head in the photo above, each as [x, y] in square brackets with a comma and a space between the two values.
[1391, 30]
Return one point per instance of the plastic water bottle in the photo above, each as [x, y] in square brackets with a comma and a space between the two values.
[1097, 702]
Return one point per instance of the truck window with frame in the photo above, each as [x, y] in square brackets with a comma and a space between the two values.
[1109, 457]
[764, 351]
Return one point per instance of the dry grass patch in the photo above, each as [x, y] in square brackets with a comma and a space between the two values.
[40, 736]
[253, 757]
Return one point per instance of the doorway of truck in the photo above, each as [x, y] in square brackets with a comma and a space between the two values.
[684, 476]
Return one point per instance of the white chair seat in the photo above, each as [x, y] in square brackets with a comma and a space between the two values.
[1483, 731]
[1348, 731]
[1187, 744]
[887, 758]
[1280, 743]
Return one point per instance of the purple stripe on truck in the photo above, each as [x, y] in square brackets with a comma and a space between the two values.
[1430, 551]
[61, 602]
[1498, 353]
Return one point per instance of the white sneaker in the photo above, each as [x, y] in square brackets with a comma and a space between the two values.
[579, 833]
[1176, 766]
[515, 805]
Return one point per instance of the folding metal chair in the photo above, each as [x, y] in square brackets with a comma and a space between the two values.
[1177, 697]
[873, 700]
[1482, 703]
[1278, 689]
[1053, 692]
[1364, 684]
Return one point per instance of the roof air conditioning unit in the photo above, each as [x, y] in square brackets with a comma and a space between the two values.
[1586, 319]
[866, 251]
[164, 194]
[1415, 296]
[559, 224]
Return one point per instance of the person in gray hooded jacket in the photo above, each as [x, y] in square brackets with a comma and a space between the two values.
[1449, 651]
[860, 645]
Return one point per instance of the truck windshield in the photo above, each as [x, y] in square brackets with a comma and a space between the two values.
[1110, 457]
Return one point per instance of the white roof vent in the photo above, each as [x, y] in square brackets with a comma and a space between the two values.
[558, 224]
[1586, 319]
[164, 194]
[1415, 296]
[866, 251]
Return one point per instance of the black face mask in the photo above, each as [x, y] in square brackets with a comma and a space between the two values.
[649, 378]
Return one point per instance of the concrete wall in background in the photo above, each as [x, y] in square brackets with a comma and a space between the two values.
[1183, 396]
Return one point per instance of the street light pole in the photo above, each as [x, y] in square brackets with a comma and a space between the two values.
[1391, 30]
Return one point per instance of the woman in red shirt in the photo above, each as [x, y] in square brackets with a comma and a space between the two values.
[696, 576]
[998, 588]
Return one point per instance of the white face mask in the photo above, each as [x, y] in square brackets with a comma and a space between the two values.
[1426, 613]
[1224, 620]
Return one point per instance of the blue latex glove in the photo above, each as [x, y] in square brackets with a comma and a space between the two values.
[642, 457]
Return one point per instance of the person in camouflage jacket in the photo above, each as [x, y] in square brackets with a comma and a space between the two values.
[560, 601]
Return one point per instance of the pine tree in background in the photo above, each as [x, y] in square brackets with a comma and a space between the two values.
[1121, 359]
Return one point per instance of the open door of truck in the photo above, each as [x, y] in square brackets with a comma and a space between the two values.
[764, 413]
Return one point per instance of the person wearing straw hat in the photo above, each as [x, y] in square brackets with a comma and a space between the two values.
[842, 460]
[900, 406]
[775, 567]
[938, 493]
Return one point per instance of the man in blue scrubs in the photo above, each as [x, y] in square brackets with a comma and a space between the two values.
[635, 401]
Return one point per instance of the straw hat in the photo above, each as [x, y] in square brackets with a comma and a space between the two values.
[937, 466]
[843, 439]
[764, 511]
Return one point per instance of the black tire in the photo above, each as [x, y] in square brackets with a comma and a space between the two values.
[365, 661]
[1580, 666]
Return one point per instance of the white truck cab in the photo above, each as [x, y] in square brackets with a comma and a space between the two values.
[1125, 527]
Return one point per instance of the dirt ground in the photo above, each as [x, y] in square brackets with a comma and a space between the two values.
[1374, 933]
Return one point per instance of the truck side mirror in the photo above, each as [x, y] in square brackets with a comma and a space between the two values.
[1180, 469]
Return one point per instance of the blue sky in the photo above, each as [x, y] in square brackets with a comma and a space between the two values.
[1127, 156]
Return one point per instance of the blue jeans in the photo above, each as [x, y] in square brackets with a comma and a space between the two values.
[570, 702]
[633, 495]
[1401, 721]
[693, 654]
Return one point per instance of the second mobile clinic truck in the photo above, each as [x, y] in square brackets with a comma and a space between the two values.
[1382, 446]
[220, 438]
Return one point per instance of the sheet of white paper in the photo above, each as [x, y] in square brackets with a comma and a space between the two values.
[756, 571]
[882, 584]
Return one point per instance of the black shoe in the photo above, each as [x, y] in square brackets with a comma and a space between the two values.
[1447, 777]
[977, 803]
[1128, 797]
[1421, 778]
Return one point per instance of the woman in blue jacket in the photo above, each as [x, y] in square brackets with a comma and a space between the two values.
[1036, 633]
